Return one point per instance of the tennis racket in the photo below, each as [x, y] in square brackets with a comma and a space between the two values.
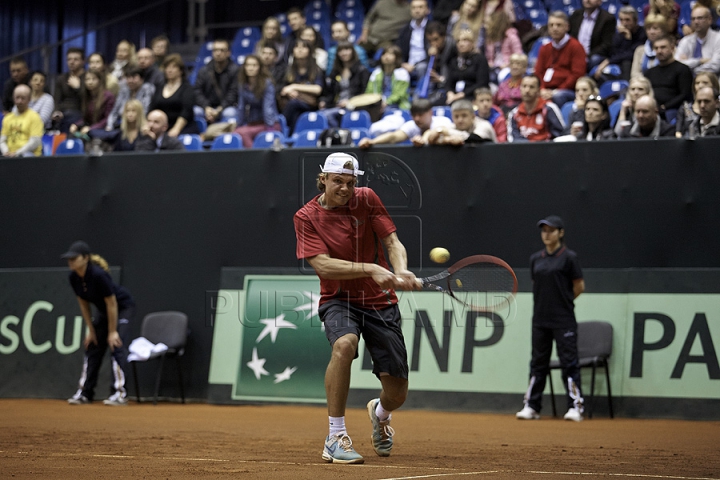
[483, 283]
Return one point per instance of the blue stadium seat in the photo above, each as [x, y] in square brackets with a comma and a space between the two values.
[567, 6]
[538, 17]
[356, 119]
[70, 146]
[566, 110]
[535, 50]
[191, 141]
[611, 6]
[307, 138]
[246, 46]
[613, 88]
[201, 124]
[611, 70]
[355, 30]
[323, 30]
[267, 139]
[685, 14]
[442, 112]
[311, 121]
[528, 5]
[614, 110]
[350, 14]
[47, 141]
[639, 6]
[358, 134]
[204, 55]
[284, 27]
[396, 111]
[355, 4]
[227, 141]
[283, 125]
[316, 6]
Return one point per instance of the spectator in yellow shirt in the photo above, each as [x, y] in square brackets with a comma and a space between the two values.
[22, 130]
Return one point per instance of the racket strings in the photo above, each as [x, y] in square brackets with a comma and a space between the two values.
[485, 285]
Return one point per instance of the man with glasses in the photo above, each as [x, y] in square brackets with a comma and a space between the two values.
[216, 91]
[700, 50]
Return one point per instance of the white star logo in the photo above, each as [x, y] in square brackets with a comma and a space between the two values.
[285, 375]
[257, 365]
[273, 326]
[313, 306]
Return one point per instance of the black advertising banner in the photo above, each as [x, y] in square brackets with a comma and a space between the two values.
[41, 333]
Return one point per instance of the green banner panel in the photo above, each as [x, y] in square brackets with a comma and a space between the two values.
[665, 345]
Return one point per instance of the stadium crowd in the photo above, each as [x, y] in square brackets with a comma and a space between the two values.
[401, 72]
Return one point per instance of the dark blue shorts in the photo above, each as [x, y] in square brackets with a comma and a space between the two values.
[380, 329]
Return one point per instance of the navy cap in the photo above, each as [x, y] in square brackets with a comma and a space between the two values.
[552, 221]
[76, 249]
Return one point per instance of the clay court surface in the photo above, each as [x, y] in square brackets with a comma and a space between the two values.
[51, 439]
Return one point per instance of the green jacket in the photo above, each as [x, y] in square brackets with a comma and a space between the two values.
[399, 96]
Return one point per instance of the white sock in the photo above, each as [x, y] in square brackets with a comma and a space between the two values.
[381, 413]
[337, 425]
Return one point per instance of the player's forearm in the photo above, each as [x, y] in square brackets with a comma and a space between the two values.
[578, 287]
[85, 312]
[398, 257]
[112, 313]
[335, 269]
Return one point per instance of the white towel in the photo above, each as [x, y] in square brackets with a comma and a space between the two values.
[142, 349]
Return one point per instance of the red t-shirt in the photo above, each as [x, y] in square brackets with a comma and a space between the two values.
[353, 232]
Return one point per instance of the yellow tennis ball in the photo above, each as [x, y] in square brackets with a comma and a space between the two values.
[439, 255]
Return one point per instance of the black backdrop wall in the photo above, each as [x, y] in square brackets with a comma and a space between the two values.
[171, 221]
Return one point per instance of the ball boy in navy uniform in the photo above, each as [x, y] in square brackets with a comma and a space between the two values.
[557, 281]
[91, 282]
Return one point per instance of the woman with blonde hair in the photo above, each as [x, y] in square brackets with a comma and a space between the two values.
[668, 9]
[469, 17]
[584, 88]
[655, 27]
[501, 42]
[131, 125]
[467, 71]
[271, 33]
[638, 87]
[109, 327]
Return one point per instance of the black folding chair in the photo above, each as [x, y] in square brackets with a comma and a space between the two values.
[170, 328]
[594, 348]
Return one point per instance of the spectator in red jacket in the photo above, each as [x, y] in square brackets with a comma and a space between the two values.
[561, 62]
[485, 109]
[535, 119]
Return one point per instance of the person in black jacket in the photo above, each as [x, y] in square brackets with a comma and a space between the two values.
[347, 79]
[216, 90]
[467, 71]
[601, 25]
[412, 41]
[91, 282]
[707, 124]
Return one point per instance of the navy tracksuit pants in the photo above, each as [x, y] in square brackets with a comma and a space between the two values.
[95, 353]
[566, 341]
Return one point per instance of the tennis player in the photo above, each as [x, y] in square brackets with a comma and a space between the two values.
[91, 282]
[341, 233]
[557, 281]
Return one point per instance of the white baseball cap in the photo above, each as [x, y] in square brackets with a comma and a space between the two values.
[334, 163]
